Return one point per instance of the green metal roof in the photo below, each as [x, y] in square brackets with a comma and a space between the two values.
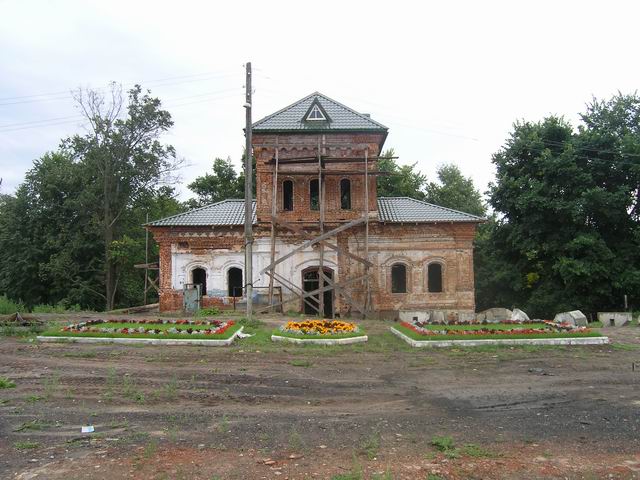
[340, 118]
[390, 210]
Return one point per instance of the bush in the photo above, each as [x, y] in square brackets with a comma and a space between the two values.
[58, 308]
[8, 306]
[209, 312]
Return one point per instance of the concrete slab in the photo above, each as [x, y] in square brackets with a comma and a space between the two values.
[507, 341]
[320, 341]
[148, 341]
[615, 319]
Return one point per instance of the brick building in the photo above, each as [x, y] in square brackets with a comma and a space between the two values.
[381, 255]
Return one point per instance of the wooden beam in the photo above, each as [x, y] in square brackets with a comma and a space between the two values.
[300, 231]
[315, 240]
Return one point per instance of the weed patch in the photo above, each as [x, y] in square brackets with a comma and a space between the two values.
[26, 445]
[6, 383]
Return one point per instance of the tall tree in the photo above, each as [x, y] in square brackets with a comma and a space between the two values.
[402, 180]
[567, 204]
[453, 190]
[123, 158]
[221, 184]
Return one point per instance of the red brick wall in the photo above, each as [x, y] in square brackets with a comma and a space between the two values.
[306, 145]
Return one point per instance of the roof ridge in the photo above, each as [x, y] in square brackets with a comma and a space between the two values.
[262, 120]
[362, 116]
[320, 97]
[191, 210]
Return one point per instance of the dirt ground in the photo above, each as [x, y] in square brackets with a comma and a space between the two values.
[261, 410]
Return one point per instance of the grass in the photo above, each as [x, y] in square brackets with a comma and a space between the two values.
[26, 445]
[447, 446]
[58, 308]
[33, 425]
[416, 336]
[8, 306]
[223, 336]
[371, 445]
[6, 383]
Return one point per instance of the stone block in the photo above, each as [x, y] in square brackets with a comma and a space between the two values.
[614, 319]
[575, 317]
[414, 316]
[495, 315]
[518, 315]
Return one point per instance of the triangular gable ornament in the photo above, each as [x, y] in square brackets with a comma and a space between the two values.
[316, 113]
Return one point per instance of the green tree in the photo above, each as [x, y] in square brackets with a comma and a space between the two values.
[455, 191]
[221, 184]
[402, 180]
[567, 205]
[122, 159]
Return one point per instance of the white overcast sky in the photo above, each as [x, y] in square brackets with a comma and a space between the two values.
[447, 78]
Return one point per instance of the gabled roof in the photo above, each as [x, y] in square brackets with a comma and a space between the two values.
[226, 212]
[390, 210]
[410, 210]
[340, 118]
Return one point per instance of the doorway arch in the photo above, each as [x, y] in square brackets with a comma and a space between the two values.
[199, 277]
[234, 282]
[311, 282]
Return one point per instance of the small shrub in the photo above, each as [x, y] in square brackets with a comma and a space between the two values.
[209, 312]
[474, 450]
[6, 383]
[443, 443]
[253, 323]
[8, 306]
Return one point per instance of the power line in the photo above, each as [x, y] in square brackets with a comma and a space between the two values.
[35, 98]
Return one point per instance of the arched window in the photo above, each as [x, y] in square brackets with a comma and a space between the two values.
[199, 277]
[234, 282]
[345, 194]
[434, 277]
[398, 278]
[287, 195]
[314, 195]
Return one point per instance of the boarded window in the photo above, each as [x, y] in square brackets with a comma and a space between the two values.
[345, 194]
[434, 277]
[287, 195]
[398, 278]
[314, 195]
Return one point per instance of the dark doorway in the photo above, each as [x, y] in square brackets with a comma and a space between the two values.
[199, 277]
[234, 282]
[310, 282]
[434, 277]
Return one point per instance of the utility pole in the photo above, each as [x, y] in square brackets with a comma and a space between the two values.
[248, 200]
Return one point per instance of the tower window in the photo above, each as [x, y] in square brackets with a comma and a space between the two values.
[345, 194]
[398, 278]
[287, 195]
[314, 195]
[316, 114]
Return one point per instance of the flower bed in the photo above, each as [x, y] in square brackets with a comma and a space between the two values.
[159, 329]
[320, 331]
[320, 328]
[503, 330]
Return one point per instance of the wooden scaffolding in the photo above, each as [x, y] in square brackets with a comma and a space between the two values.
[341, 288]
